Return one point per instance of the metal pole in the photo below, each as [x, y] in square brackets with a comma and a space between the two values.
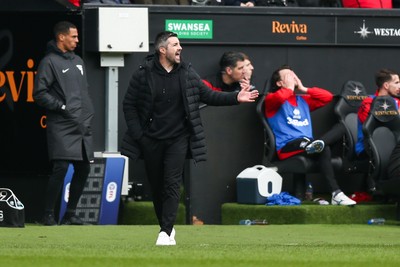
[111, 109]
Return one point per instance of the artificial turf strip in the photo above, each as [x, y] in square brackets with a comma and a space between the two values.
[142, 213]
[208, 245]
[232, 213]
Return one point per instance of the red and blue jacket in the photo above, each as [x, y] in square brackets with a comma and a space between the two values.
[289, 115]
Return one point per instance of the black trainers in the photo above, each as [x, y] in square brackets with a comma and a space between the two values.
[73, 220]
[49, 220]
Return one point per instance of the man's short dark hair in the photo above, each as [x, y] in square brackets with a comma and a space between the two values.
[230, 59]
[384, 75]
[62, 27]
[162, 40]
[276, 77]
[245, 56]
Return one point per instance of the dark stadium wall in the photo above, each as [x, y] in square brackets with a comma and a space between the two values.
[24, 33]
[234, 135]
[324, 46]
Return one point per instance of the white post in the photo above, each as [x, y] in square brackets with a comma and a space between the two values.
[112, 62]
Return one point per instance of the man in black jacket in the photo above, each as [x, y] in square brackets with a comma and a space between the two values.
[61, 88]
[161, 108]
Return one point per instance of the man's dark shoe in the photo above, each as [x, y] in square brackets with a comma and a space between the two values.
[73, 220]
[49, 220]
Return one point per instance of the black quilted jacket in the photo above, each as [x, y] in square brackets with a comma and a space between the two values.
[138, 107]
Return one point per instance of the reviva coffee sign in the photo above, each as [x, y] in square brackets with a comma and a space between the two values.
[17, 83]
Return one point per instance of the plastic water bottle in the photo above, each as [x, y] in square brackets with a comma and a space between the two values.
[245, 222]
[253, 222]
[309, 192]
[378, 221]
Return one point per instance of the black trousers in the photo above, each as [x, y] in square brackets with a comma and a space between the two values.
[323, 158]
[332, 136]
[164, 162]
[56, 181]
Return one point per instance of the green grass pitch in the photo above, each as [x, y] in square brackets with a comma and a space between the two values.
[208, 245]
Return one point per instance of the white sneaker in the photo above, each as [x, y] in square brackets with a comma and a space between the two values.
[172, 237]
[342, 199]
[163, 239]
[315, 147]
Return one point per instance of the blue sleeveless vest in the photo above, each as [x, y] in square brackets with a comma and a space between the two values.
[291, 122]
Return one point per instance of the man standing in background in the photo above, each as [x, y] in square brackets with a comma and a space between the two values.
[61, 88]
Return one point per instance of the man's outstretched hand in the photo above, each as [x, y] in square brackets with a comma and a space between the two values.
[247, 96]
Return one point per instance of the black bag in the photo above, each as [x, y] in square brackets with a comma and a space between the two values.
[12, 213]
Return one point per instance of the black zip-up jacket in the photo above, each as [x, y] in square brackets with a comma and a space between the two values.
[139, 100]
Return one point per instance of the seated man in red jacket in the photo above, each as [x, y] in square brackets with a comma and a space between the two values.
[289, 116]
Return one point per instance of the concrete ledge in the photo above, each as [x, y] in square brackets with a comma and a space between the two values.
[232, 213]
